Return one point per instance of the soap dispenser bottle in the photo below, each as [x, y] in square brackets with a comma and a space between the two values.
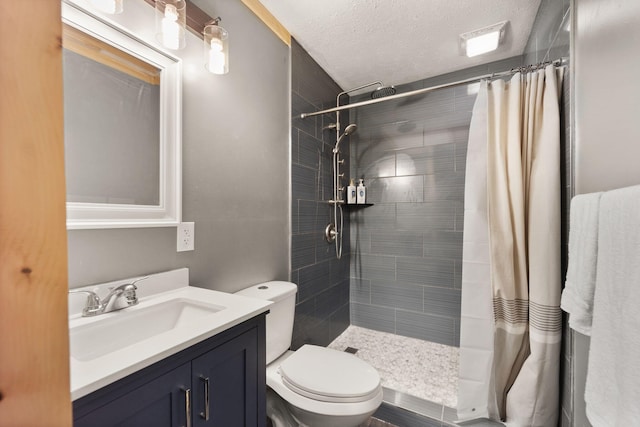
[361, 197]
[351, 192]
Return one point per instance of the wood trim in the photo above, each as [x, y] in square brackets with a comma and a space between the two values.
[34, 334]
[197, 19]
[269, 20]
[83, 44]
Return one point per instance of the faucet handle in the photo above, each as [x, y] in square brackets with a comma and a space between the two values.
[129, 291]
[92, 306]
[138, 280]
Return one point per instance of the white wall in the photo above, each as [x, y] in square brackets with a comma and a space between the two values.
[606, 60]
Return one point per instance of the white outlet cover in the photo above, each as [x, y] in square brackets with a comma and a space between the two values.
[185, 237]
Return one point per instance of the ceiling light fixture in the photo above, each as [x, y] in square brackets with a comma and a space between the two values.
[483, 40]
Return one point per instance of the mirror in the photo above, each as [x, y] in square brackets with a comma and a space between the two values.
[122, 104]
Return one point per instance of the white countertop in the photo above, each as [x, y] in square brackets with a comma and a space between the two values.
[91, 375]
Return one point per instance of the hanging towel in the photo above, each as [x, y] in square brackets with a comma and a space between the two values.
[613, 378]
[579, 287]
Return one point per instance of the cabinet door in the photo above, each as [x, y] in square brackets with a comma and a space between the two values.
[227, 379]
[159, 403]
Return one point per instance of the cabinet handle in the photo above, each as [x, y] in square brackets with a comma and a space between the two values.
[187, 405]
[205, 414]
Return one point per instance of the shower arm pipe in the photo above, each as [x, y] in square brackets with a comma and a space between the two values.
[379, 83]
[557, 62]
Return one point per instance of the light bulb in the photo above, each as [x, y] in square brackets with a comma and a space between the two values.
[217, 59]
[170, 28]
[216, 45]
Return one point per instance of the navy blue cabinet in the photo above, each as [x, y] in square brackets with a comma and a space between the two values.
[224, 390]
[160, 402]
[219, 382]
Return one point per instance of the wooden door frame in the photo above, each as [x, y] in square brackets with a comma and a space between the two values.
[34, 338]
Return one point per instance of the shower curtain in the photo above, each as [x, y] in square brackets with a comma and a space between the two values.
[511, 280]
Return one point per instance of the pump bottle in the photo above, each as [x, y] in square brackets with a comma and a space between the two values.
[361, 197]
[351, 192]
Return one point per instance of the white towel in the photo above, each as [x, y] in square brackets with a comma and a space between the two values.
[613, 378]
[579, 287]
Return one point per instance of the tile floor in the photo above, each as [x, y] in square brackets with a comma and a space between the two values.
[374, 422]
[419, 368]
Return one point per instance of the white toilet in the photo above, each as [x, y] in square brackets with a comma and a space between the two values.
[320, 386]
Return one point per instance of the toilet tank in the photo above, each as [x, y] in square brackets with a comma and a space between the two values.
[280, 318]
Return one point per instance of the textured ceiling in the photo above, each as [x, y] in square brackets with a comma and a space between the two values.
[399, 41]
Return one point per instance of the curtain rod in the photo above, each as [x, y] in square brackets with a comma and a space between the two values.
[558, 62]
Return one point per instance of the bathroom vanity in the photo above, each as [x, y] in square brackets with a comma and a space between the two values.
[218, 382]
[182, 356]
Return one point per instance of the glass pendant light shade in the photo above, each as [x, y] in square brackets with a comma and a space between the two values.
[171, 18]
[216, 48]
[112, 7]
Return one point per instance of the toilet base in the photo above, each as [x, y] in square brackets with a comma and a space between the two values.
[278, 412]
[282, 414]
[311, 419]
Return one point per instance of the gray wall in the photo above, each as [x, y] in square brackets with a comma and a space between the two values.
[235, 167]
[322, 306]
[407, 248]
[606, 112]
[606, 37]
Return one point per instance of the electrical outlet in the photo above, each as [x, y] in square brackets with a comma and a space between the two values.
[186, 236]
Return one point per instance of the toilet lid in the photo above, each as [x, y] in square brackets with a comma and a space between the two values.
[329, 375]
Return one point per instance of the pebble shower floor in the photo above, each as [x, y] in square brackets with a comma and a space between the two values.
[420, 368]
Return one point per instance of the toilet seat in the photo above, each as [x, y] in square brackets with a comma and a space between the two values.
[328, 375]
[340, 409]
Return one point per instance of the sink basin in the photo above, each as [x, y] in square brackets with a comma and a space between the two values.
[171, 316]
[117, 330]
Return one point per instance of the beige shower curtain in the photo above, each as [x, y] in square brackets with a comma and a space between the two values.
[523, 217]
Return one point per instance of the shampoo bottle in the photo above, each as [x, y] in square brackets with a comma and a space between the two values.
[361, 193]
[351, 192]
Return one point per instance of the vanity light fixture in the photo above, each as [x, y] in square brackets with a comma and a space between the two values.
[171, 18]
[216, 47]
[112, 7]
[483, 40]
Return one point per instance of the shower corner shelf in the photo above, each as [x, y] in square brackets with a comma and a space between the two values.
[353, 205]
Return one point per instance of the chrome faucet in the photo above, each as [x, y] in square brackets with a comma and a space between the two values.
[120, 297]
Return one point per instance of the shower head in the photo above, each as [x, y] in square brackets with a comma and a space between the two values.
[382, 91]
[347, 131]
[350, 129]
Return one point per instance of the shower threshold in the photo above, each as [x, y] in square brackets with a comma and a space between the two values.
[416, 375]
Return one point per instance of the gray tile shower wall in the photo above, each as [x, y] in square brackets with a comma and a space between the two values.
[322, 305]
[407, 248]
